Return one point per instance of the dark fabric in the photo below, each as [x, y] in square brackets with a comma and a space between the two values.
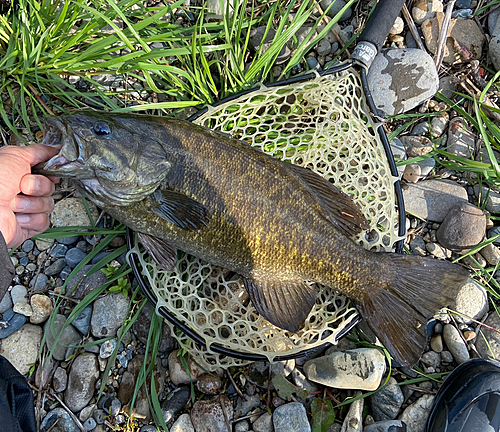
[7, 271]
[17, 412]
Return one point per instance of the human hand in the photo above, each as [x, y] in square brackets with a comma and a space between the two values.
[25, 198]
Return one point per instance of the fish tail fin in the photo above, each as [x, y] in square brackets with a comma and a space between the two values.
[397, 306]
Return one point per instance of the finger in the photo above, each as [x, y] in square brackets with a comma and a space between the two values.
[36, 222]
[30, 204]
[36, 185]
[36, 153]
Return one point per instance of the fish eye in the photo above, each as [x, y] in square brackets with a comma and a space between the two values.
[101, 128]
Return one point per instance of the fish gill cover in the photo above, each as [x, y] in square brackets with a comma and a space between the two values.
[319, 124]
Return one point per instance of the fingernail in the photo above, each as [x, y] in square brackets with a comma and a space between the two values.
[34, 183]
[22, 218]
[21, 204]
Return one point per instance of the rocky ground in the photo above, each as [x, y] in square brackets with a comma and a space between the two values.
[449, 213]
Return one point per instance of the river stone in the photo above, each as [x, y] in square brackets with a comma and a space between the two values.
[71, 212]
[81, 381]
[463, 228]
[178, 374]
[360, 369]
[182, 424]
[494, 51]
[491, 253]
[387, 426]
[488, 340]
[387, 402]
[399, 153]
[335, 9]
[69, 336]
[58, 420]
[416, 145]
[465, 34]
[471, 301]
[210, 384]
[401, 79]
[42, 308]
[21, 347]
[493, 201]
[433, 199]
[258, 36]
[60, 380]
[5, 303]
[82, 321]
[455, 344]
[15, 320]
[246, 404]
[19, 293]
[439, 124]
[291, 417]
[108, 314]
[424, 9]
[175, 402]
[353, 421]
[415, 415]
[208, 415]
[461, 141]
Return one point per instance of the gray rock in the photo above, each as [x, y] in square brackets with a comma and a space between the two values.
[60, 380]
[68, 338]
[493, 21]
[420, 129]
[323, 49]
[463, 228]
[56, 267]
[5, 303]
[471, 301]
[446, 357]
[424, 9]
[210, 384]
[143, 323]
[488, 340]
[39, 282]
[107, 348]
[494, 232]
[90, 424]
[68, 240]
[399, 153]
[182, 424]
[416, 414]
[257, 38]
[291, 417]
[21, 347]
[42, 308]
[346, 33]
[433, 199]
[108, 315]
[336, 6]
[175, 402]
[417, 246]
[74, 256]
[71, 212]
[436, 343]
[59, 251]
[23, 308]
[264, 423]
[455, 344]
[388, 426]
[209, 416]
[493, 201]
[44, 244]
[431, 359]
[28, 245]
[300, 380]
[447, 87]
[401, 79]
[15, 322]
[491, 253]
[81, 381]
[243, 426]
[439, 124]
[58, 420]
[416, 145]
[360, 369]
[494, 51]
[461, 141]
[465, 39]
[386, 402]
[246, 404]
[19, 293]
[178, 374]
[82, 321]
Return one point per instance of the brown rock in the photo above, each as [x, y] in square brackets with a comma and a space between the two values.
[209, 415]
[463, 228]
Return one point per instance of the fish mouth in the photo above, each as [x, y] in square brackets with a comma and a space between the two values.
[69, 161]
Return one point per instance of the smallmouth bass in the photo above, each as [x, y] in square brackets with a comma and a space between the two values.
[182, 186]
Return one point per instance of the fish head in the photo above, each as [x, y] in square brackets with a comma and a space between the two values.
[109, 156]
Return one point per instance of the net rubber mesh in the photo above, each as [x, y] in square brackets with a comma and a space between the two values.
[320, 124]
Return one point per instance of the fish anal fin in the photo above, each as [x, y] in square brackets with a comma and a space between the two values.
[341, 209]
[413, 289]
[180, 210]
[162, 252]
[285, 304]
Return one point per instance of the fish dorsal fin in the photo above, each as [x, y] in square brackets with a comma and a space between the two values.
[339, 207]
[162, 252]
[180, 210]
[286, 304]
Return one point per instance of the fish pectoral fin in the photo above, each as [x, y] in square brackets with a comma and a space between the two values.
[286, 304]
[180, 210]
[162, 252]
[340, 209]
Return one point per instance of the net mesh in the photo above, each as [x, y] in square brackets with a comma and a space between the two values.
[320, 124]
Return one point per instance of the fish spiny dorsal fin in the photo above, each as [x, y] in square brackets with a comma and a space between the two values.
[286, 304]
[410, 290]
[340, 209]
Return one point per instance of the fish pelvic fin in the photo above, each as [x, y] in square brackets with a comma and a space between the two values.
[285, 304]
[162, 252]
[398, 308]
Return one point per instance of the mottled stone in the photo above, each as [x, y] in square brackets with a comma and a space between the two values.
[58, 420]
[433, 199]
[415, 415]
[291, 417]
[424, 9]
[178, 375]
[209, 415]
[461, 141]
[356, 369]
[264, 423]
[42, 308]
[81, 381]
[416, 145]
[23, 309]
[108, 315]
[386, 402]
[401, 79]
[488, 341]
[175, 402]
[463, 228]
[472, 302]
[210, 384]
[68, 338]
[491, 253]
[60, 380]
[387, 426]
[183, 424]
[21, 347]
[71, 212]
[353, 421]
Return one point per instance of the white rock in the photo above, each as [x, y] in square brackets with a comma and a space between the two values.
[183, 424]
[353, 421]
[23, 308]
[416, 414]
[21, 347]
[471, 301]
[455, 344]
[71, 212]
[178, 374]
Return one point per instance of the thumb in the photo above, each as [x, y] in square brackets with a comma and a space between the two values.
[36, 153]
